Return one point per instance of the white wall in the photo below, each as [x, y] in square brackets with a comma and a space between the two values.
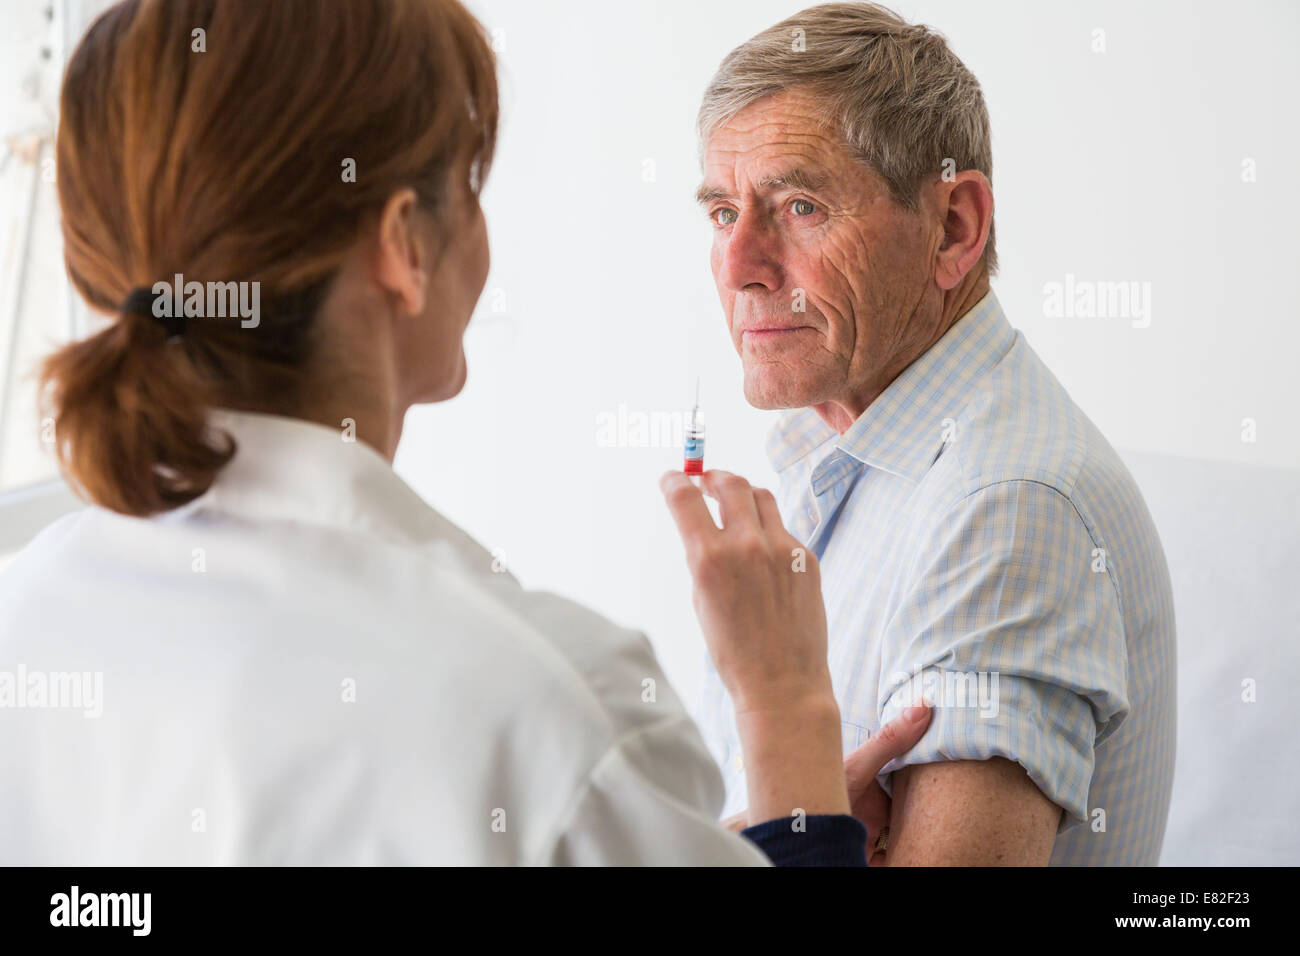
[1122, 165]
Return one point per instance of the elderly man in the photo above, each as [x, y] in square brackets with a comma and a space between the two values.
[979, 540]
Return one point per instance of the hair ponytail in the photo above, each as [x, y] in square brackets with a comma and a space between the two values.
[130, 424]
[226, 165]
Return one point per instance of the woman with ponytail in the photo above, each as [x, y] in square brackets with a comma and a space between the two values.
[274, 651]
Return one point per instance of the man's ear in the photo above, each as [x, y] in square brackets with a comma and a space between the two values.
[402, 256]
[966, 205]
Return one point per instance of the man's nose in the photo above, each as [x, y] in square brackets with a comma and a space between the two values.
[750, 257]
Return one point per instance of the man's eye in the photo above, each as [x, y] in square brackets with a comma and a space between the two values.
[724, 217]
[803, 207]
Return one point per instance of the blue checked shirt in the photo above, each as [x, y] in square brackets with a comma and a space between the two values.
[983, 546]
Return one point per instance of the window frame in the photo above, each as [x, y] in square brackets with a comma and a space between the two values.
[27, 509]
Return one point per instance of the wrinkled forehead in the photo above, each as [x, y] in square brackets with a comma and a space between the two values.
[771, 136]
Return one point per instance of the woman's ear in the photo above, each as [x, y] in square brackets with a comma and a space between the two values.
[402, 255]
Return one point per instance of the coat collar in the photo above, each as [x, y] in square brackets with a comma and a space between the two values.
[302, 471]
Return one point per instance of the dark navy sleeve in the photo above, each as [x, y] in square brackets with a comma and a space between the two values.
[824, 840]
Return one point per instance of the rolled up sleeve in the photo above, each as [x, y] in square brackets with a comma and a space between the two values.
[1011, 628]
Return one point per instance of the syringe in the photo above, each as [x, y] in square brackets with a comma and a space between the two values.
[693, 465]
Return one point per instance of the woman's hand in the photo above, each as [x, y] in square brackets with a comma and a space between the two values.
[868, 800]
[758, 598]
[757, 593]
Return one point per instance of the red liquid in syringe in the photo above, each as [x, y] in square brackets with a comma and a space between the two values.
[693, 463]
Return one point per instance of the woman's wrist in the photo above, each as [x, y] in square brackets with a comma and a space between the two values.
[793, 757]
[766, 713]
[803, 694]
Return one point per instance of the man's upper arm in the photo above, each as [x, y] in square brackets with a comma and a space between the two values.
[1017, 639]
[970, 813]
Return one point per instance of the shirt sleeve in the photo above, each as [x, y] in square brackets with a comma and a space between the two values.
[651, 800]
[1011, 628]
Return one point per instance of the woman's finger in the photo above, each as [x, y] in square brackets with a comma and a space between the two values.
[768, 513]
[735, 500]
[892, 740]
[689, 510]
[737, 821]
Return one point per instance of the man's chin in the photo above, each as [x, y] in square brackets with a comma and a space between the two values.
[768, 390]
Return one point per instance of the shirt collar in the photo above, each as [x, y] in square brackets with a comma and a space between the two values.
[902, 431]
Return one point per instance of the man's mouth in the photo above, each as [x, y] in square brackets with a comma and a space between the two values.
[770, 334]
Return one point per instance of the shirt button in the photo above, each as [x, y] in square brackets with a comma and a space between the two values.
[738, 761]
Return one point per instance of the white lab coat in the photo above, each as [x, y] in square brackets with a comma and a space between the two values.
[309, 665]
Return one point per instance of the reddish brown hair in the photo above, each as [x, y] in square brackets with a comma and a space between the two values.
[227, 165]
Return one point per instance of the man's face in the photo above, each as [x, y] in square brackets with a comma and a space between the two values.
[827, 284]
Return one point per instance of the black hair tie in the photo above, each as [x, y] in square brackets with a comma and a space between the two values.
[140, 302]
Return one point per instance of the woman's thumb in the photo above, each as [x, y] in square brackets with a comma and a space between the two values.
[892, 740]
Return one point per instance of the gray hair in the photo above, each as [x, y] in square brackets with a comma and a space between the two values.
[894, 91]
